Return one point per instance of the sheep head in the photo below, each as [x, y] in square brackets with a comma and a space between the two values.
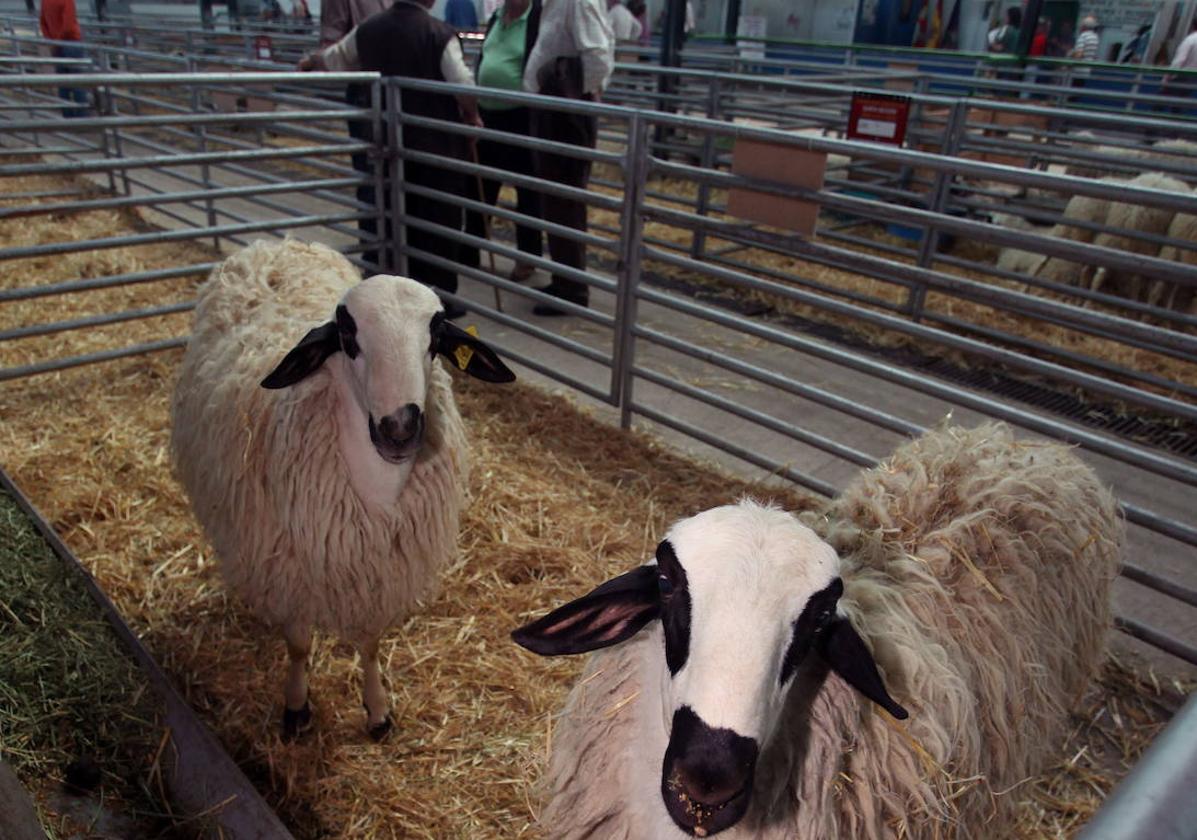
[744, 593]
[389, 330]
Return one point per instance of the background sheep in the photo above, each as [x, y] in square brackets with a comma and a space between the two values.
[1164, 292]
[1139, 218]
[330, 490]
[977, 570]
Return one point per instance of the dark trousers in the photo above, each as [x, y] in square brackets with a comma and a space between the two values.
[580, 130]
[358, 96]
[71, 94]
[433, 210]
[517, 159]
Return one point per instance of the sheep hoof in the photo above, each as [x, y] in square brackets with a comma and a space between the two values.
[296, 721]
[379, 731]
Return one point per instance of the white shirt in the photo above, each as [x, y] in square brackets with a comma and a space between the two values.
[343, 56]
[624, 25]
[1186, 53]
[574, 28]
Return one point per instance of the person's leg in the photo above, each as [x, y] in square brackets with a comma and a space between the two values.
[439, 212]
[570, 171]
[527, 200]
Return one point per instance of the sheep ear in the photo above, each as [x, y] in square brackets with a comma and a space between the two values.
[611, 614]
[306, 357]
[844, 650]
[471, 354]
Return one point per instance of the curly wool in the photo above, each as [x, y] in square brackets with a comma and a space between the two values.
[978, 570]
[264, 470]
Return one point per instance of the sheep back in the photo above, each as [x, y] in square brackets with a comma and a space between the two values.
[1142, 219]
[980, 568]
[264, 471]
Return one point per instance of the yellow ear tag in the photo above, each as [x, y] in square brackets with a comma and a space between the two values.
[463, 354]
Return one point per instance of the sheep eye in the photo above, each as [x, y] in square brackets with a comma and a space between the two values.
[665, 585]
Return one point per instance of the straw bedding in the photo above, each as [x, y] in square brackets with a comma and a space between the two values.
[562, 502]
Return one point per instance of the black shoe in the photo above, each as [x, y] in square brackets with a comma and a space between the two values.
[549, 310]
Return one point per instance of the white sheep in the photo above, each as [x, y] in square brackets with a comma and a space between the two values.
[1140, 218]
[976, 569]
[1165, 292]
[326, 469]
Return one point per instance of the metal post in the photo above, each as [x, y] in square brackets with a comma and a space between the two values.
[699, 239]
[201, 134]
[636, 172]
[104, 108]
[671, 52]
[378, 136]
[398, 237]
[936, 200]
[731, 22]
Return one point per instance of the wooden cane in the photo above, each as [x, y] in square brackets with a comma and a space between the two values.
[490, 255]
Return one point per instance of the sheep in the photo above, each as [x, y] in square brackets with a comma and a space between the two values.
[1081, 208]
[1166, 293]
[331, 490]
[976, 569]
[1138, 218]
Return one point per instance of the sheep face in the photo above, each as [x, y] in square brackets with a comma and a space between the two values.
[388, 330]
[744, 593]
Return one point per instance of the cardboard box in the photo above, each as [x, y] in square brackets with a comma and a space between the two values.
[785, 166]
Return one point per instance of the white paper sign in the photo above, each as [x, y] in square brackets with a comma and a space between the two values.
[752, 26]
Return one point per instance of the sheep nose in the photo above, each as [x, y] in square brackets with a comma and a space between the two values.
[399, 429]
[710, 785]
[707, 766]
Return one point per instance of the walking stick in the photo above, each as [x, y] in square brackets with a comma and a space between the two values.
[490, 255]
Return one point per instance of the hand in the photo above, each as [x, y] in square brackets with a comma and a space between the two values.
[311, 61]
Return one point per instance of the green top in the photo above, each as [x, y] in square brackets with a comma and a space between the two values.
[503, 59]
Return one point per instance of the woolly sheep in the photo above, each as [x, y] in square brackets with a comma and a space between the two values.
[1081, 208]
[1139, 218]
[1174, 295]
[976, 569]
[326, 469]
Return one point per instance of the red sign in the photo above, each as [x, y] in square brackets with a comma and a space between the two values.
[879, 117]
[263, 49]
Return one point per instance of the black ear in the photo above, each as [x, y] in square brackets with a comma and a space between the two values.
[844, 650]
[471, 354]
[611, 614]
[306, 357]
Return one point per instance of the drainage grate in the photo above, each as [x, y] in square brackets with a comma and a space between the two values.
[1169, 434]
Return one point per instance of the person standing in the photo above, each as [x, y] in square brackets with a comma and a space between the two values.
[406, 41]
[461, 15]
[337, 19]
[1185, 58]
[573, 58]
[624, 26]
[1085, 49]
[59, 22]
[511, 33]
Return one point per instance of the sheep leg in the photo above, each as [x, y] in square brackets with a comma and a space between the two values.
[297, 715]
[378, 713]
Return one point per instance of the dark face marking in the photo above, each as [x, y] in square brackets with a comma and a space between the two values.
[347, 331]
[435, 327]
[706, 776]
[810, 625]
[674, 592]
